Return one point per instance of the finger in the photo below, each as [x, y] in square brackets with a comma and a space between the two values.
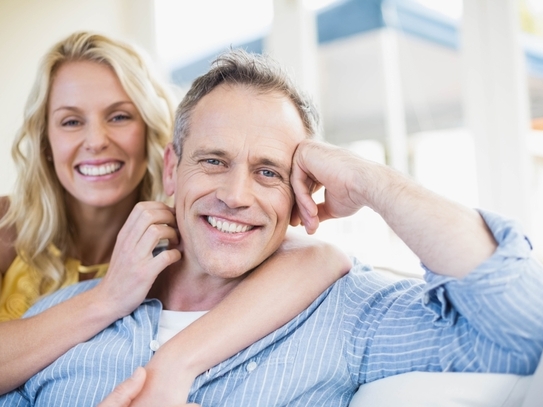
[153, 235]
[311, 225]
[302, 192]
[142, 216]
[295, 219]
[323, 213]
[307, 219]
[127, 391]
[163, 260]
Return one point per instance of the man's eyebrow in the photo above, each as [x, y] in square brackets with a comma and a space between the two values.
[209, 151]
[282, 166]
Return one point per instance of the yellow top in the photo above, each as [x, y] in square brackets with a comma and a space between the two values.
[19, 289]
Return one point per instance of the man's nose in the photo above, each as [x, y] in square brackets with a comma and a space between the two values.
[96, 137]
[236, 189]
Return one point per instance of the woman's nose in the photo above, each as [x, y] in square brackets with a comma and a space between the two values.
[96, 137]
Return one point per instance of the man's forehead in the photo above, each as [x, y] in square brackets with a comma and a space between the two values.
[226, 95]
[242, 113]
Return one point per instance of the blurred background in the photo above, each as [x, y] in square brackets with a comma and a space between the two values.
[447, 91]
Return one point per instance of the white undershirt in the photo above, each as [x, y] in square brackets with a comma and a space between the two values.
[173, 322]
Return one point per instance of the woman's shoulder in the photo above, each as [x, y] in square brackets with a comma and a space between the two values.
[7, 238]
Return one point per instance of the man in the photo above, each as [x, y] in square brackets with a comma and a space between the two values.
[241, 159]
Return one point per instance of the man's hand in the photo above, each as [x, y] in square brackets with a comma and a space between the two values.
[317, 164]
[128, 390]
[447, 237]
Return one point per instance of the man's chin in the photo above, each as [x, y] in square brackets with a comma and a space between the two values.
[229, 268]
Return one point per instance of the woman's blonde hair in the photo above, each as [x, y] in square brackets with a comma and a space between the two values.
[37, 206]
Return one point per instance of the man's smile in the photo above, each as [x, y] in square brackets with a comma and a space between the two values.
[228, 226]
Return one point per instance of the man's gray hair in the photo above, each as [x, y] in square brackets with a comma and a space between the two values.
[238, 67]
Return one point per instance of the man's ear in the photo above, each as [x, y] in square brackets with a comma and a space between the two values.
[169, 176]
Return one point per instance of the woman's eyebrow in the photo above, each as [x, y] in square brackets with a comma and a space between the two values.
[77, 109]
[70, 108]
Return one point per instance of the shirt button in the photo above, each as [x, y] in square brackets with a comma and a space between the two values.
[154, 345]
[426, 298]
[251, 366]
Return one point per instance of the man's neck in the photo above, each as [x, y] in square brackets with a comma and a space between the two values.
[179, 289]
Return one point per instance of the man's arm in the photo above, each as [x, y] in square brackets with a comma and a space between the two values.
[448, 238]
[484, 299]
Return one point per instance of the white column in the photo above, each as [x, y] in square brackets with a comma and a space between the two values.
[140, 24]
[396, 132]
[293, 43]
[496, 105]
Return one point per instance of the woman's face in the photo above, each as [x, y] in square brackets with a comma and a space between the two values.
[97, 135]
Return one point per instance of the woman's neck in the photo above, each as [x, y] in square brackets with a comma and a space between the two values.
[95, 229]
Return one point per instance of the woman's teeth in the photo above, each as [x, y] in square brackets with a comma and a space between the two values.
[97, 170]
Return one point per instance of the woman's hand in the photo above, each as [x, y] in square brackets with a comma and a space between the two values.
[168, 379]
[133, 268]
[127, 391]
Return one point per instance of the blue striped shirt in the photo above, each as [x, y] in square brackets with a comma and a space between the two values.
[361, 329]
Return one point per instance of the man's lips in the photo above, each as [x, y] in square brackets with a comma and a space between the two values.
[228, 226]
[96, 170]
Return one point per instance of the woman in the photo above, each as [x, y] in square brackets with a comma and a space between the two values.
[89, 157]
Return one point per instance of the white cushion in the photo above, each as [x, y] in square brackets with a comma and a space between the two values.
[422, 389]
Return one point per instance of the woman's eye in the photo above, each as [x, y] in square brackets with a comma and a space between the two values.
[70, 123]
[120, 117]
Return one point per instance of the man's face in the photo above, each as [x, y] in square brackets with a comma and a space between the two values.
[232, 192]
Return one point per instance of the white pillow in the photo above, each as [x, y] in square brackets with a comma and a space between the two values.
[423, 389]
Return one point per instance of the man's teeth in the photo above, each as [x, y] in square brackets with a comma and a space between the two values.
[228, 227]
[97, 170]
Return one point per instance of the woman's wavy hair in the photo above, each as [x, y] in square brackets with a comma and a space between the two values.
[37, 206]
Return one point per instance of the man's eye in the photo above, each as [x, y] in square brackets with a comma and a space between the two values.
[212, 161]
[269, 174]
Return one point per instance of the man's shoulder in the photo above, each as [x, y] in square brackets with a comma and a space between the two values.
[363, 280]
[60, 296]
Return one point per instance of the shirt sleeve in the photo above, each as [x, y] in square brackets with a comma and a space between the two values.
[13, 399]
[489, 321]
[502, 300]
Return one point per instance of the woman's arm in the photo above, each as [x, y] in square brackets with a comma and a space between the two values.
[268, 298]
[127, 391]
[132, 271]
